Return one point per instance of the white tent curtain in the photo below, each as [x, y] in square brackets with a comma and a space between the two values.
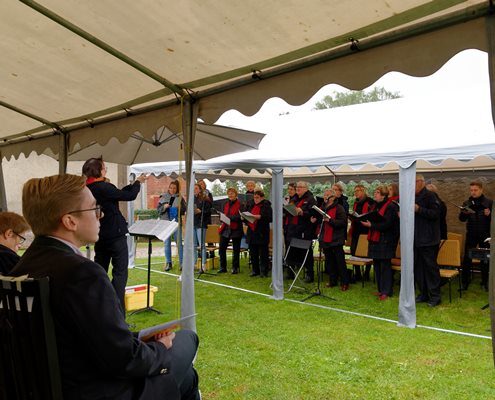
[3, 195]
[407, 298]
[277, 245]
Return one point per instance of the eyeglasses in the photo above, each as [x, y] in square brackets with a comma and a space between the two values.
[23, 239]
[98, 211]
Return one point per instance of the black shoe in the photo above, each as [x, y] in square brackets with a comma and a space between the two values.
[168, 267]
[235, 271]
[309, 279]
[421, 299]
[221, 271]
[434, 303]
[264, 275]
[253, 274]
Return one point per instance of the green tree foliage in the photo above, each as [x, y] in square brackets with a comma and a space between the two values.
[341, 99]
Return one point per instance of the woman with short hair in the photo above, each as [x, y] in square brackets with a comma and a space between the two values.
[232, 231]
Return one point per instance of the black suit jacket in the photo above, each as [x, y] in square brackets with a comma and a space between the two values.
[99, 357]
[8, 259]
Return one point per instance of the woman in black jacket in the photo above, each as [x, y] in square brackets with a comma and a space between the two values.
[258, 234]
[112, 240]
[383, 238]
[202, 214]
[331, 238]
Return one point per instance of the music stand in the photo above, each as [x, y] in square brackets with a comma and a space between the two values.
[151, 229]
[317, 291]
[202, 244]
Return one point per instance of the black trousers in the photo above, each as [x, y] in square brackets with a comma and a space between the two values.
[467, 263]
[222, 251]
[427, 273]
[183, 350]
[259, 258]
[383, 274]
[335, 265]
[115, 251]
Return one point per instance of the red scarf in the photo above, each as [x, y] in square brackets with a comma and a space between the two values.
[91, 180]
[295, 218]
[327, 227]
[365, 209]
[256, 210]
[229, 212]
[373, 234]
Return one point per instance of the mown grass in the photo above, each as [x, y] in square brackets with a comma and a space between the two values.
[253, 347]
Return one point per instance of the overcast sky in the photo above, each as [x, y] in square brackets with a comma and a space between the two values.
[448, 108]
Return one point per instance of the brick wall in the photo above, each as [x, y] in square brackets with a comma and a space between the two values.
[155, 186]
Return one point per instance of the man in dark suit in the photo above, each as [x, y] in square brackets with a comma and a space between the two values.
[426, 242]
[99, 357]
[13, 228]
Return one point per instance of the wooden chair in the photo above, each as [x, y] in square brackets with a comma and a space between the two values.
[361, 259]
[396, 262]
[28, 352]
[212, 240]
[460, 238]
[449, 262]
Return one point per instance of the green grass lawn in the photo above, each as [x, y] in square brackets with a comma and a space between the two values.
[253, 347]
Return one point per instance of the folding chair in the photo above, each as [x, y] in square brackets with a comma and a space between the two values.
[28, 352]
[449, 262]
[292, 259]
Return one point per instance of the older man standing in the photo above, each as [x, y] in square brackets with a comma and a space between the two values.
[305, 229]
[426, 241]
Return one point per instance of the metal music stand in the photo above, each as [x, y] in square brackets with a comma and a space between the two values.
[317, 291]
[202, 244]
[151, 229]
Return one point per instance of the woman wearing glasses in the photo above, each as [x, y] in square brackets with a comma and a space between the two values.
[13, 228]
[112, 241]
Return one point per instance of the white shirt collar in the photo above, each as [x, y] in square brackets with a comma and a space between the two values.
[71, 245]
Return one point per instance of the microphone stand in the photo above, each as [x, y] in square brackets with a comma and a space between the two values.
[317, 291]
[202, 271]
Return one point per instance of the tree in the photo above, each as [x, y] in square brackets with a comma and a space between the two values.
[341, 99]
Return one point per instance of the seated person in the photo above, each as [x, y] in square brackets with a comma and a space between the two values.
[13, 228]
[99, 357]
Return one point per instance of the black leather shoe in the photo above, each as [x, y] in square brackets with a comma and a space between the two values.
[235, 271]
[168, 267]
[253, 274]
[434, 303]
[421, 299]
[221, 271]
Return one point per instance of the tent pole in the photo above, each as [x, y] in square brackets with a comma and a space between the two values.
[187, 306]
[490, 33]
[407, 298]
[277, 243]
[63, 148]
[3, 195]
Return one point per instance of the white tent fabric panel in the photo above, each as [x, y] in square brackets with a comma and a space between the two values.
[100, 76]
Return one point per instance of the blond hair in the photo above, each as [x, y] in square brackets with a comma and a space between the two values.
[46, 200]
[231, 189]
[10, 220]
[383, 189]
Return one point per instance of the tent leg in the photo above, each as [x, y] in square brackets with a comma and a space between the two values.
[187, 307]
[63, 152]
[3, 194]
[490, 32]
[407, 298]
[277, 255]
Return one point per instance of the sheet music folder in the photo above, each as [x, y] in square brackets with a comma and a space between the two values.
[160, 229]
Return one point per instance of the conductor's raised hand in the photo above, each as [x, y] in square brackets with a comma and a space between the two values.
[142, 178]
[165, 338]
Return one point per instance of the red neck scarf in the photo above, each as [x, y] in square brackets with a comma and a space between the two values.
[90, 180]
[256, 210]
[365, 209]
[373, 234]
[295, 218]
[230, 211]
[327, 228]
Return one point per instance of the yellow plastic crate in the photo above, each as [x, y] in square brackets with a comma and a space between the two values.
[135, 296]
[211, 263]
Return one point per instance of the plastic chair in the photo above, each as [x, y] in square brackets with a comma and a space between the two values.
[28, 351]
